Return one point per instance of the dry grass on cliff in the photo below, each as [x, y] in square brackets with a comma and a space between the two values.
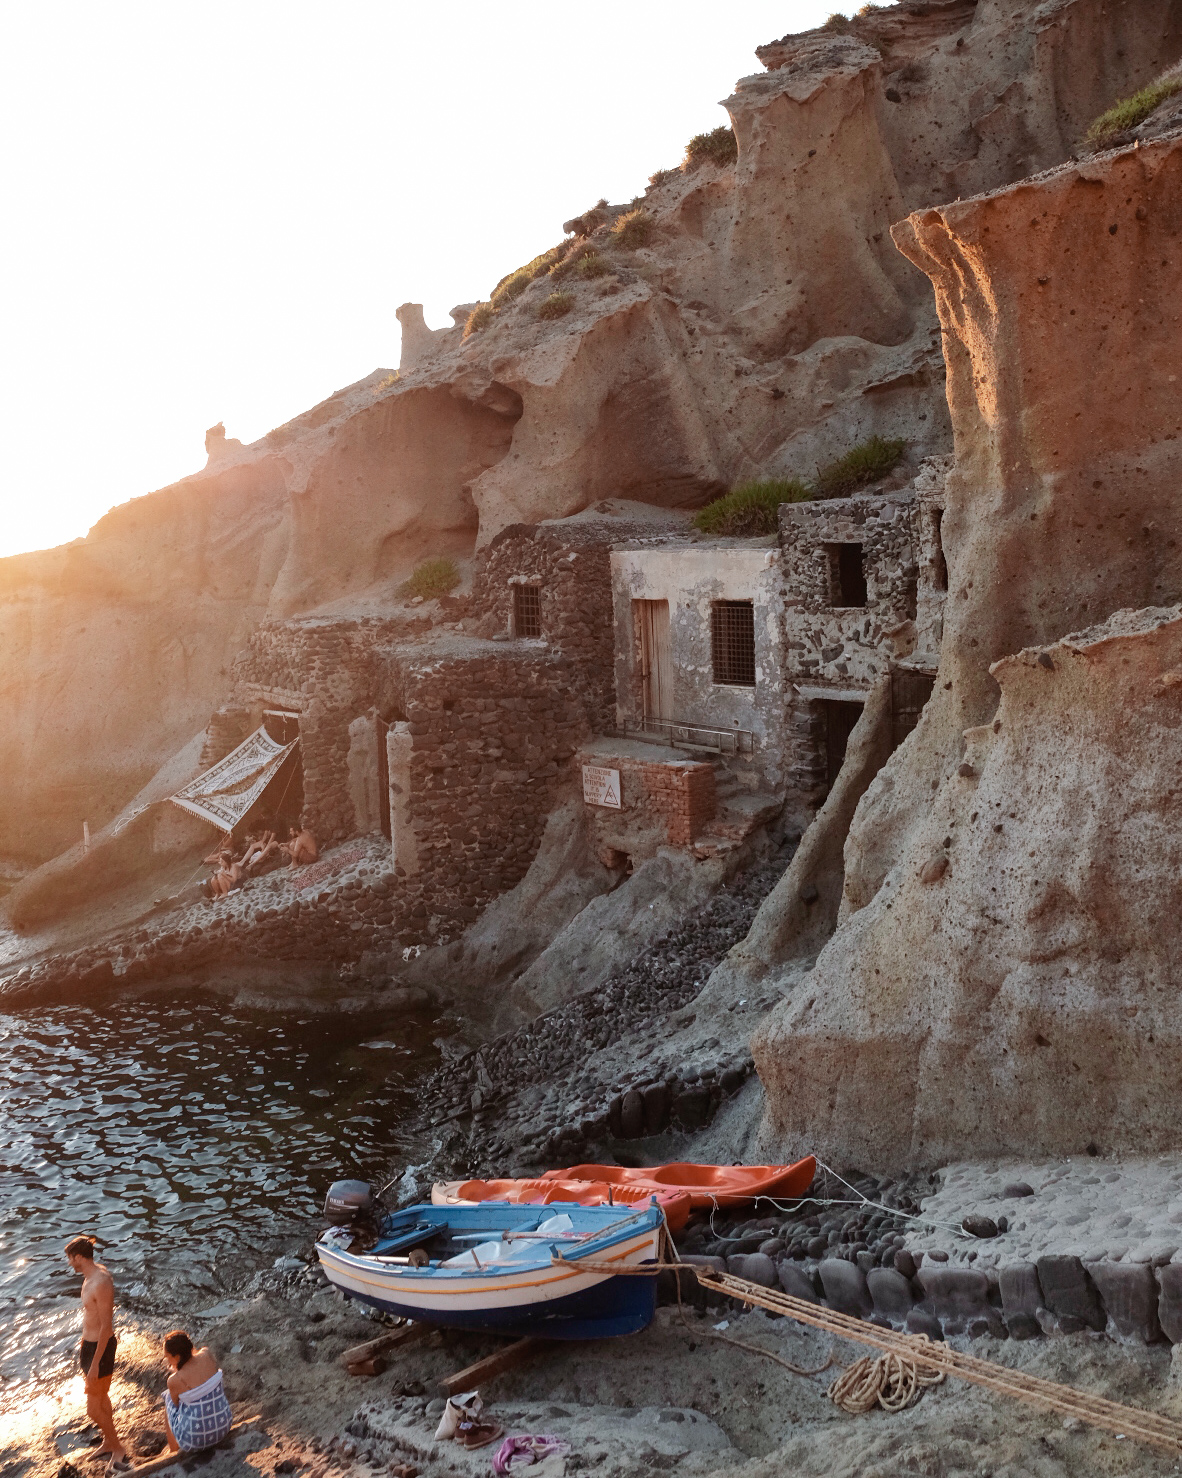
[634, 228]
[861, 465]
[557, 305]
[434, 577]
[480, 317]
[1130, 111]
[751, 508]
[719, 146]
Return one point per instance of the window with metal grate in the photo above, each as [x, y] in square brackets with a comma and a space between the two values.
[732, 642]
[527, 610]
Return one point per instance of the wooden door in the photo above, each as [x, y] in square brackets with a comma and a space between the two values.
[656, 661]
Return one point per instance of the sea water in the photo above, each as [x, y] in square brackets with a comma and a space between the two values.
[195, 1140]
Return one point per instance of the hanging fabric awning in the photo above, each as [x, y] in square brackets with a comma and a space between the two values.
[227, 790]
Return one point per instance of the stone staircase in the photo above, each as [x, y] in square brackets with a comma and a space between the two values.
[741, 810]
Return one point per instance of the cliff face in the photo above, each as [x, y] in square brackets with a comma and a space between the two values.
[1000, 981]
[764, 325]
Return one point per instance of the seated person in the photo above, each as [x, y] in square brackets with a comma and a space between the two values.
[301, 846]
[228, 878]
[195, 1406]
[267, 857]
[259, 844]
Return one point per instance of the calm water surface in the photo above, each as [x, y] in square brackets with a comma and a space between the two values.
[196, 1141]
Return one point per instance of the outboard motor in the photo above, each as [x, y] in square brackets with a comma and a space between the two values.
[347, 1201]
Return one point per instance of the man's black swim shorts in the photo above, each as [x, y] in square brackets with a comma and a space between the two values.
[86, 1355]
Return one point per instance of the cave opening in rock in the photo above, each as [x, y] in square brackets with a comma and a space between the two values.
[939, 563]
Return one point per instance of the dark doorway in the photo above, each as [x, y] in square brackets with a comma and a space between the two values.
[384, 777]
[527, 611]
[847, 575]
[910, 692]
[840, 719]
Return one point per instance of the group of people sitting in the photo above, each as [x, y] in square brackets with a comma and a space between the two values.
[264, 852]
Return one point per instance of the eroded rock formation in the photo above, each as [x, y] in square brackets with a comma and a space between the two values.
[764, 326]
[1000, 977]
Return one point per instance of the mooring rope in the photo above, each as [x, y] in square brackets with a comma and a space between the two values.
[1097, 1411]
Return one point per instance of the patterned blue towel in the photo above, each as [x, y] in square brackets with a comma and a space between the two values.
[201, 1418]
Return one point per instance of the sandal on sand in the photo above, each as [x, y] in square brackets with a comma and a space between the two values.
[479, 1434]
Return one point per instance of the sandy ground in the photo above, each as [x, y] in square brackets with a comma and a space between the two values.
[674, 1398]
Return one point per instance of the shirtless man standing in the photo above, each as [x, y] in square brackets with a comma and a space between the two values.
[97, 1351]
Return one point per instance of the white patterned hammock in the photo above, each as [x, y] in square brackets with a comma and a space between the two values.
[224, 793]
[201, 1418]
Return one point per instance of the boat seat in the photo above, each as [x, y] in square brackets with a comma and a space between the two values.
[410, 1238]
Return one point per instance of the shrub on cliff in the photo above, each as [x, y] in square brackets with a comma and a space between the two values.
[862, 464]
[433, 577]
[582, 259]
[751, 508]
[557, 305]
[480, 317]
[1130, 111]
[837, 22]
[719, 146]
[632, 229]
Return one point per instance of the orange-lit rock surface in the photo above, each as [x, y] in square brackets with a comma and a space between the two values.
[765, 326]
[1002, 978]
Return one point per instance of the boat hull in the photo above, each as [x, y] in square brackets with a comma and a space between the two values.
[552, 1302]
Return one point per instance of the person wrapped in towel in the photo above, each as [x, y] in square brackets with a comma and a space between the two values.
[195, 1404]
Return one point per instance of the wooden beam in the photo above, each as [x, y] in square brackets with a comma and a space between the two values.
[406, 1334]
[170, 1459]
[483, 1371]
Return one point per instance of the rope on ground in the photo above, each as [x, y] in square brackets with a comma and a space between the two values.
[890, 1381]
[1097, 1411]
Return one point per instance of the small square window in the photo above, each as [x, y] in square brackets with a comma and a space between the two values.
[527, 610]
[732, 642]
[847, 575]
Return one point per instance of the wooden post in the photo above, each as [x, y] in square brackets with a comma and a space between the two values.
[492, 1365]
[360, 1355]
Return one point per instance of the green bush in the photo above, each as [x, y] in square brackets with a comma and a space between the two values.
[557, 305]
[632, 229]
[591, 264]
[719, 146]
[510, 287]
[836, 22]
[433, 577]
[751, 508]
[480, 317]
[861, 465]
[1130, 111]
[662, 176]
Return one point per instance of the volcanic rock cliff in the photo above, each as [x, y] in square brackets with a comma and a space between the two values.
[1002, 976]
[755, 318]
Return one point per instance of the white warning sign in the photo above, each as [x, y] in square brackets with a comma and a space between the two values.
[601, 787]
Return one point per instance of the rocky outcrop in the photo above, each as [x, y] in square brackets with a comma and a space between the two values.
[1002, 979]
[758, 322]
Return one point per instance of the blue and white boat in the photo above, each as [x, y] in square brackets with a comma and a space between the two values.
[494, 1267]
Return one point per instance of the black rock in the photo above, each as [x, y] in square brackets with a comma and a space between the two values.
[905, 1263]
[656, 1108]
[920, 1323]
[980, 1226]
[632, 1115]
[1017, 1188]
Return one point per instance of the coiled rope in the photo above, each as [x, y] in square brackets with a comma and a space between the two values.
[891, 1382]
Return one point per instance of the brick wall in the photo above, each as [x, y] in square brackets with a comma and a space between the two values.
[662, 802]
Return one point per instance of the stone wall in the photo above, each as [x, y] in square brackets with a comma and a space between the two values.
[665, 799]
[328, 671]
[569, 563]
[488, 735]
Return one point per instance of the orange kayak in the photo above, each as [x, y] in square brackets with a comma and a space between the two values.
[542, 1192]
[705, 1185]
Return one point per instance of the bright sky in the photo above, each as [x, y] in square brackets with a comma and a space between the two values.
[213, 210]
